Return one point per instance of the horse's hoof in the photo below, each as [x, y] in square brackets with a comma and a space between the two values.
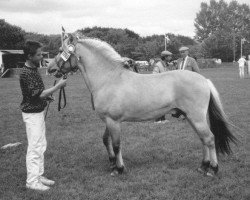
[120, 169]
[213, 171]
[117, 170]
[114, 172]
[204, 167]
[209, 174]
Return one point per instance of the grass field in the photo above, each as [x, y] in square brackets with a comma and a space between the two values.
[161, 160]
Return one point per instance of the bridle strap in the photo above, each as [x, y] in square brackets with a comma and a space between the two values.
[49, 103]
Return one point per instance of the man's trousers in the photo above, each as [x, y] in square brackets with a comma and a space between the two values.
[35, 130]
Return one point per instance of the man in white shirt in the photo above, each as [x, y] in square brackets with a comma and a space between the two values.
[242, 62]
[248, 65]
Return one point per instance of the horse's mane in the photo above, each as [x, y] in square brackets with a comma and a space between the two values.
[105, 49]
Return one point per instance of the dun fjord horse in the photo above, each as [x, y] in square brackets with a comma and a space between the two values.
[121, 95]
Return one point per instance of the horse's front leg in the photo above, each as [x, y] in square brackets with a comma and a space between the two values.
[114, 129]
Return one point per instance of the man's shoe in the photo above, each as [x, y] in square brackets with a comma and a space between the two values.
[37, 186]
[46, 181]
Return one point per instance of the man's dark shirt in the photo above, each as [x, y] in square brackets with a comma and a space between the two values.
[32, 86]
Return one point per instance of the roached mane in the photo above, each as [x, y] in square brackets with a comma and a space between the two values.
[103, 48]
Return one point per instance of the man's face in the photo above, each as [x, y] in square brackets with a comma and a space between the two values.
[184, 53]
[168, 58]
[37, 57]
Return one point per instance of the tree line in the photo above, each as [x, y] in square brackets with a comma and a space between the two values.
[219, 28]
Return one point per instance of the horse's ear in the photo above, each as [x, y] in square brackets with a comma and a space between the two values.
[71, 38]
[79, 35]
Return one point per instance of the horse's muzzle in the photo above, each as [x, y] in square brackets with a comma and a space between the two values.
[58, 74]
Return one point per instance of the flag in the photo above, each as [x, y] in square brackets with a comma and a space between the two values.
[243, 40]
[167, 38]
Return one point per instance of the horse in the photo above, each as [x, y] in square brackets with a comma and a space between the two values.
[119, 95]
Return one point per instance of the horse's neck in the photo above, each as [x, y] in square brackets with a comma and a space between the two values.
[97, 71]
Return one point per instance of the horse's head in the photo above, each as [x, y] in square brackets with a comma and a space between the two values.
[66, 60]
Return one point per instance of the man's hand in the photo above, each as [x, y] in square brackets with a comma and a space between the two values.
[50, 99]
[61, 83]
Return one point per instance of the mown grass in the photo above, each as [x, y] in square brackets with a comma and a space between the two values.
[161, 160]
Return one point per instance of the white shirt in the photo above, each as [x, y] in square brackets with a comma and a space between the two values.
[242, 62]
[184, 65]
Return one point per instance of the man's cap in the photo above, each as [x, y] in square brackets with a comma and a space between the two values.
[183, 49]
[166, 53]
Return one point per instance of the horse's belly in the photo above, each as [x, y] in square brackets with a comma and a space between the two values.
[145, 115]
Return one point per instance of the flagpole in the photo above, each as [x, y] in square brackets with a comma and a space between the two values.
[241, 47]
[234, 44]
[165, 42]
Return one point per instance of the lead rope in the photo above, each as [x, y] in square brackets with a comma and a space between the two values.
[62, 92]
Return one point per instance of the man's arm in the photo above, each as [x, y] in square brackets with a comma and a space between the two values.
[46, 93]
[195, 67]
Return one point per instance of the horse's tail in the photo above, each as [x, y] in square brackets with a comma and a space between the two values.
[219, 122]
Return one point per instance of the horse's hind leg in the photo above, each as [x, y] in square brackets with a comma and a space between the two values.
[114, 129]
[108, 144]
[200, 125]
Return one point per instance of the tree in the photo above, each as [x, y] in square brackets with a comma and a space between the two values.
[220, 27]
[11, 37]
[51, 43]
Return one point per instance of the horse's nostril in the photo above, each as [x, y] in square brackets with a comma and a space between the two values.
[52, 70]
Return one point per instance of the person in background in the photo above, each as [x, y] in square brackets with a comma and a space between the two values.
[242, 61]
[186, 62]
[248, 65]
[161, 66]
[32, 106]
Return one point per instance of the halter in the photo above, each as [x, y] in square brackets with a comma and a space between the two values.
[65, 56]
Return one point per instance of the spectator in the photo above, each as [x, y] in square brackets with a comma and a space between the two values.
[186, 62]
[242, 62]
[161, 66]
[248, 65]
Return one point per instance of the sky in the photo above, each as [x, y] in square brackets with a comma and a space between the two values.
[145, 17]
